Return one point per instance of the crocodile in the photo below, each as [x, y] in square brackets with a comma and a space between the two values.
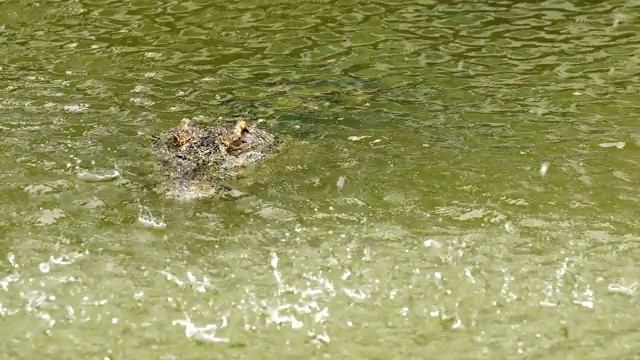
[196, 161]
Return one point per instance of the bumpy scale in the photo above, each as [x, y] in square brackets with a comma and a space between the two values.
[184, 133]
[232, 139]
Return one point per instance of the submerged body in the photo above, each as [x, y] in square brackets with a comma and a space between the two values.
[196, 161]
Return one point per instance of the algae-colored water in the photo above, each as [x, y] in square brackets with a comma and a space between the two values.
[460, 180]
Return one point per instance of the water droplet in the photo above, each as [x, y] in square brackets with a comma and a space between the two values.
[509, 227]
[357, 138]
[274, 260]
[431, 243]
[619, 144]
[544, 168]
[12, 260]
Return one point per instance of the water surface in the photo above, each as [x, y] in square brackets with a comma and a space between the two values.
[457, 182]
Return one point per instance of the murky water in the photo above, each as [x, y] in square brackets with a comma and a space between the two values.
[459, 180]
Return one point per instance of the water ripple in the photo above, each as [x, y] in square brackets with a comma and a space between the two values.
[412, 123]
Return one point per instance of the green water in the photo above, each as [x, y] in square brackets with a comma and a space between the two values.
[407, 217]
